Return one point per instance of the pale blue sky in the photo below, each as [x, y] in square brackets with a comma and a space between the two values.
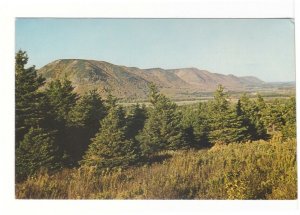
[260, 47]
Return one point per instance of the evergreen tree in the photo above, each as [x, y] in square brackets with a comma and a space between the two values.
[195, 124]
[110, 148]
[274, 116]
[227, 129]
[83, 123]
[279, 117]
[111, 101]
[201, 127]
[187, 123]
[250, 113]
[289, 128]
[260, 103]
[88, 111]
[162, 128]
[248, 132]
[136, 120]
[36, 151]
[220, 102]
[225, 124]
[31, 105]
[62, 99]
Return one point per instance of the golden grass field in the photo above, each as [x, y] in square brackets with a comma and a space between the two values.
[252, 170]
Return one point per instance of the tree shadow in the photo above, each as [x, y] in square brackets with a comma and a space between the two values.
[158, 159]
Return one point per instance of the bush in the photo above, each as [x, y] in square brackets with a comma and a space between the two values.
[37, 151]
[253, 170]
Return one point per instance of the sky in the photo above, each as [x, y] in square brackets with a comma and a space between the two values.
[258, 47]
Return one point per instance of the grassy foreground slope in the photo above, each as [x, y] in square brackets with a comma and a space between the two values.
[252, 170]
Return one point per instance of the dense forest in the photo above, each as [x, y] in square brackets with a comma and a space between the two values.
[83, 146]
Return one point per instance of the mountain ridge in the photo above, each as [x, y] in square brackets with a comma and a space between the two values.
[132, 82]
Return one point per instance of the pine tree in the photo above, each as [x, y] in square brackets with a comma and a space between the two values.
[36, 151]
[162, 128]
[110, 148]
[225, 124]
[31, 105]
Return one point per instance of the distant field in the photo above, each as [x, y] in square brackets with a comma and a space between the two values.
[268, 93]
[204, 99]
[187, 102]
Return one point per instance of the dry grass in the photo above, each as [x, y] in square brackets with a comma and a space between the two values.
[253, 170]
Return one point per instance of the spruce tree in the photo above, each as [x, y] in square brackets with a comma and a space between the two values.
[225, 124]
[274, 116]
[289, 128]
[110, 149]
[162, 128]
[83, 122]
[62, 99]
[36, 151]
[195, 124]
[31, 104]
[187, 122]
[260, 103]
[227, 128]
[136, 120]
[88, 111]
[252, 117]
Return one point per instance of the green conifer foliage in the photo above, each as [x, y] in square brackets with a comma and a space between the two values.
[251, 115]
[30, 102]
[88, 111]
[260, 102]
[111, 101]
[289, 128]
[110, 148]
[83, 122]
[225, 124]
[162, 128]
[195, 123]
[274, 116]
[136, 120]
[36, 151]
[62, 98]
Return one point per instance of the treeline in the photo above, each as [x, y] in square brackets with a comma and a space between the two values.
[57, 128]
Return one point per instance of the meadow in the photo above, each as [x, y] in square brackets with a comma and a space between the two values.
[256, 170]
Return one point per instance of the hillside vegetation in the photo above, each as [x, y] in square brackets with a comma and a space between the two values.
[81, 146]
[131, 83]
[257, 170]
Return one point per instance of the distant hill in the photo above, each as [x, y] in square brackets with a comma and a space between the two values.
[132, 82]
